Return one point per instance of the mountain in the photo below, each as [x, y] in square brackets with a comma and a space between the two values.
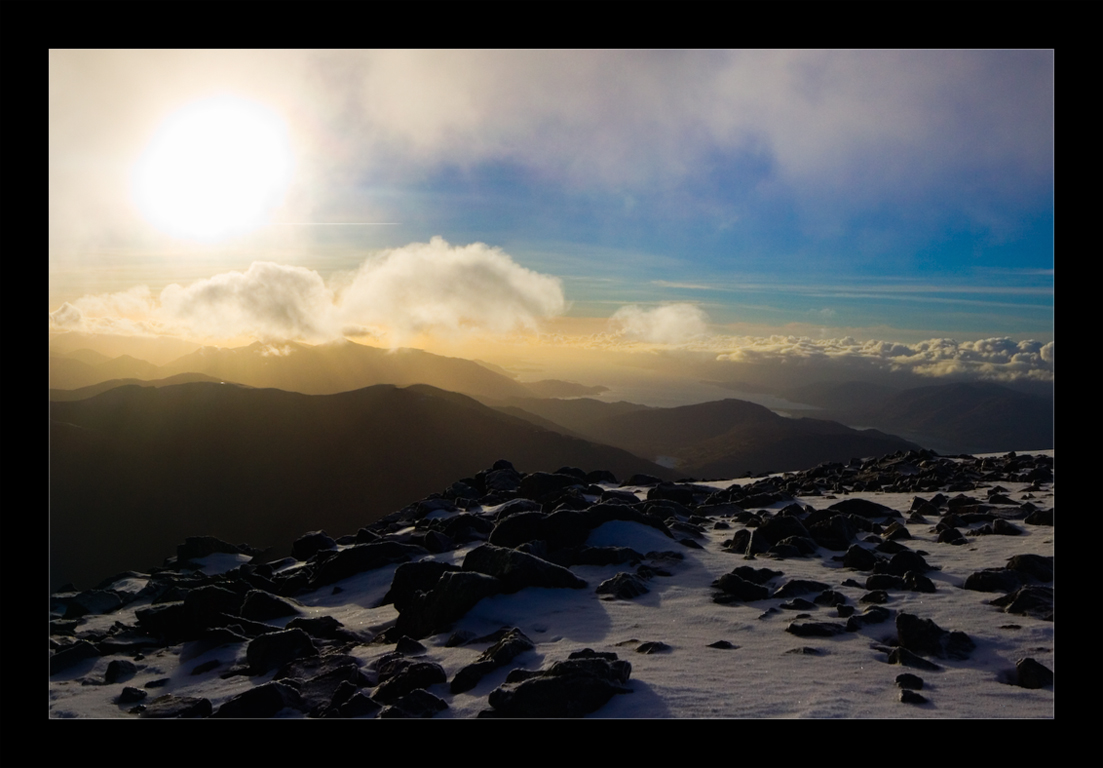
[82, 393]
[136, 469]
[948, 418]
[724, 438]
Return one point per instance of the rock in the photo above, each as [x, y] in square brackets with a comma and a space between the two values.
[411, 578]
[874, 614]
[454, 594]
[908, 659]
[512, 644]
[79, 651]
[994, 580]
[864, 508]
[571, 688]
[400, 676]
[310, 544]
[131, 695]
[278, 648]
[1034, 566]
[518, 570]
[623, 586]
[925, 637]
[1028, 600]
[119, 670]
[260, 606]
[1031, 674]
[417, 703]
[738, 588]
[363, 557]
[177, 706]
[266, 700]
[653, 646]
[908, 696]
[909, 681]
[816, 629]
[795, 587]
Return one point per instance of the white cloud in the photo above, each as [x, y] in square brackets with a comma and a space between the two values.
[668, 324]
[999, 359]
[423, 287]
[438, 287]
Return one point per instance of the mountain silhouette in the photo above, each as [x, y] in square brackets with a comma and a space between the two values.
[723, 438]
[135, 470]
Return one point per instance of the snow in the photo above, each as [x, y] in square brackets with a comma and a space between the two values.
[761, 677]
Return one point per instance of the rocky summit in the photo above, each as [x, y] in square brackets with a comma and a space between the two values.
[568, 594]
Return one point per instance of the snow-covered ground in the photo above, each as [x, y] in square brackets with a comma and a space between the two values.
[765, 674]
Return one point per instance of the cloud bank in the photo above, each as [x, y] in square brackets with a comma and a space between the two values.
[422, 287]
[668, 324]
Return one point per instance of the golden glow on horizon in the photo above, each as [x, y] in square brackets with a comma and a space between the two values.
[215, 168]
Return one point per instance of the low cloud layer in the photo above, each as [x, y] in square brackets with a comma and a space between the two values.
[668, 324]
[999, 359]
[423, 287]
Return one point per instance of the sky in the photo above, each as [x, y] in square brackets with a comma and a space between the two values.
[891, 210]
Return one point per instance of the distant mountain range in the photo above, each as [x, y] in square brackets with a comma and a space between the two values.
[721, 439]
[977, 417]
[136, 469]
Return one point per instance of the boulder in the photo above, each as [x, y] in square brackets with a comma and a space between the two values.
[518, 570]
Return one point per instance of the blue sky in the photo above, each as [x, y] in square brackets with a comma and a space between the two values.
[877, 195]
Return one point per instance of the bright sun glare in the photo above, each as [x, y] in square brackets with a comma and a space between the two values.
[215, 168]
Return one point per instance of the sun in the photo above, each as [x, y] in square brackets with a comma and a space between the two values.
[214, 169]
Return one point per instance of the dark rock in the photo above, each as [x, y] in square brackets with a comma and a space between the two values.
[260, 606]
[723, 645]
[177, 706]
[815, 629]
[909, 681]
[131, 695]
[1028, 600]
[795, 587]
[653, 646]
[278, 648]
[917, 582]
[409, 647]
[359, 705]
[119, 670]
[925, 637]
[79, 651]
[864, 508]
[623, 586]
[411, 578]
[911, 697]
[884, 581]
[874, 614]
[739, 588]
[265, 700]
[798, 604]
[1039, 517]
[571, 688]
[417, 703]
[401, 676]
[1031, 674]
[518, 570]
[908, 659]
[310, 544]
[859, 558]
[1035, 566]
[454, 594]
[606, 556]
[361, 558]
[994, 580]
[512, 644]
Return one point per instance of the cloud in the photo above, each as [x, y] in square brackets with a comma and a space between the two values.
[430, 287]
[668, 324]
[998, 359]
[271, 301]
[438, 287]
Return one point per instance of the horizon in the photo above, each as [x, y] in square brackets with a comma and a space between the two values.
[613, 218]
